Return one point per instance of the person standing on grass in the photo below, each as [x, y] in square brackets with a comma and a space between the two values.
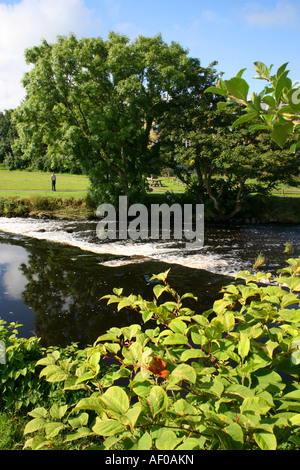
[53, 181]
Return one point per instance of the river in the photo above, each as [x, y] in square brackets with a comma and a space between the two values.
[53, 273]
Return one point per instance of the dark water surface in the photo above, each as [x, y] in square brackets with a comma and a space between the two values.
[53, 274]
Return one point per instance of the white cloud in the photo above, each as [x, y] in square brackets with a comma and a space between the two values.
[13, 281]
[283, 14]
[23, 25]
[212, 17]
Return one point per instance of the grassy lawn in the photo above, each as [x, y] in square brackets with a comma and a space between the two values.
[33, 184]
[23, 183]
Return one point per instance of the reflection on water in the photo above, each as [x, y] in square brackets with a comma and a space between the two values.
[53, 289]
[61, 287]
[12, 280]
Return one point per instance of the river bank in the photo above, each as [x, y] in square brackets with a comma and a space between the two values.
[257, 210]
[46, 208]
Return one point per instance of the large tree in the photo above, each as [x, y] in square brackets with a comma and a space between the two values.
[221, 166]
[95, 102]
[7, 136]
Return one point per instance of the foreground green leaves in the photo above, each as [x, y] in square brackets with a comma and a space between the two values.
[227, 379]
[278, 104]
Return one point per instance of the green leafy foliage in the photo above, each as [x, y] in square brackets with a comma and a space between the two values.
[277, 105]
[20, 386]
[226, 379]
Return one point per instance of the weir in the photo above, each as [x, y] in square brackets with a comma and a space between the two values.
[53, 273]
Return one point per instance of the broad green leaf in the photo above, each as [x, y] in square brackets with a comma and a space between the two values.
[241, 73]
[158, 290]
[280, 133]
[38, 413]
[37, 443]
[147, 315]
[79, 434]
[145, 442]
[182, 407]
[90, 403]
[131, 416]
[239, 391]
[281, 69]
[188, 295]
[80, 421]
[161, 276]
[262, 70]
[269, 100]
[53, 429]
[236, 435]
[175, 338]
[167, 440]
[244, 345]
[216, 91]
[191, 444]
[94, 359]
[35, 425]
[118, 292]
[54, 373]
[215, 388]
[116, 399]
[295, 357]
[265, 440]
[124, 303]
[289, 299]
[142, 389]
[256, 405]
[192, 354]
[130, 331]
[183, 372]
[260, 127]
[178, 326]
[198, 338]
[229, 321]
[282, 82]
[109, 427]
[57, 412]
[295, 395]
[158, 400]
[243, 119]
[294, 284]
[237, 87]
[295, 420]
[295, 146]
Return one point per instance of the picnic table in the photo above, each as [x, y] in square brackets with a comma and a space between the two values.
[154, 182]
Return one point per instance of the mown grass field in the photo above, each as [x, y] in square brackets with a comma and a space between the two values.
[37, 184]
[27, 184]
[33, 184]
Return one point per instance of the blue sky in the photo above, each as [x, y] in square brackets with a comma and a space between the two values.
[236, 33]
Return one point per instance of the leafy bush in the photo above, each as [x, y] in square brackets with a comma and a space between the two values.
[226, 379]
[11, 432]
[20, 385]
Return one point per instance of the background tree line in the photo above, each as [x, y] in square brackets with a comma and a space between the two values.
[91, 106]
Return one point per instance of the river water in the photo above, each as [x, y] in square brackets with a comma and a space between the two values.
[53, 273]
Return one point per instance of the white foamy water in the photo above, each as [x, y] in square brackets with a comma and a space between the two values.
[83, 235]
